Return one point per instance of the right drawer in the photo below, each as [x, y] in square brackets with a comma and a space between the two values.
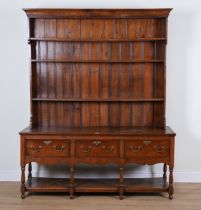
[147, 148]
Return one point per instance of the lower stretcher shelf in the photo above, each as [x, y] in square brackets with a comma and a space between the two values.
[96, 185]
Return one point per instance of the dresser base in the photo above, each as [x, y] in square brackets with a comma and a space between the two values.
[102, 147]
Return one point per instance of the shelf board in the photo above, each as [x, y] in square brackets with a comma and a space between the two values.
[97, 185]
[146, 185]
[98, 100]
[94, 61]
[47, 185]
[97, 40]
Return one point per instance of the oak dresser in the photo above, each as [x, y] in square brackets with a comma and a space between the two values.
[98, 95]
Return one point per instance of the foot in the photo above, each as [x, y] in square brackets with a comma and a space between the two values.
[170, 197]
[121, 197]
[22, 196]
[71, 196]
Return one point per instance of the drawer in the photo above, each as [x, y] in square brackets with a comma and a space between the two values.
[147, 148]
[97, 148]
[47, 148]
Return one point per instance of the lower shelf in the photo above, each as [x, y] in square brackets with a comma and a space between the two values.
[96, 185]
[47, 185]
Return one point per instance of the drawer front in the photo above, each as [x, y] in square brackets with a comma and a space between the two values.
[97, 148]
[47, 148]
[147, 148]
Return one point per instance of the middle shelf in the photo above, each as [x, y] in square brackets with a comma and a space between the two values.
[95, 61]
[99, 100]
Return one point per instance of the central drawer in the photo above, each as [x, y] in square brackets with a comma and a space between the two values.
[97, 148]
[47, 148]
[147, 148]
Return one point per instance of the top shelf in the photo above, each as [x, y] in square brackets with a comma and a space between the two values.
[97, 40]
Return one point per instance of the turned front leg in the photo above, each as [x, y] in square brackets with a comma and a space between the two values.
[165, 172]
[30, 173]
[72, 171]
[23, 188]
[165, 175]
[121, 183]
[171, 189]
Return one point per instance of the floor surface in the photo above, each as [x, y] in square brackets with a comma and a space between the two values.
[186, 197]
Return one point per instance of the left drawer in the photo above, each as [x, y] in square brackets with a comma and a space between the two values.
[47, 148]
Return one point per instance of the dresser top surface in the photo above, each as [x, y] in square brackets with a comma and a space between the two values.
[99, 131]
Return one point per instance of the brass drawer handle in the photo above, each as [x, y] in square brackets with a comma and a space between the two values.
[146, 142]
[108, 149]
[59, 148]
[97, 142]
[47, 142]
[86, 150]
[159, 149]
[135, 150]
[36, 149]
